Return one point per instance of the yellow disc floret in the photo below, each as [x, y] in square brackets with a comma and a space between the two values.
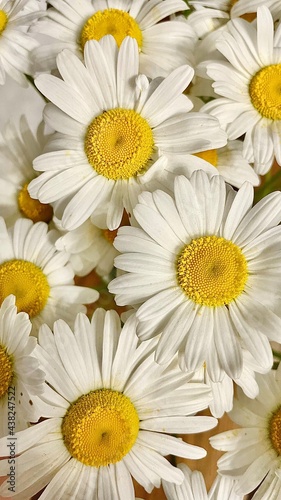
[210, 156]
[265, 91]
[6, 371]
[113, 22]
[27, 282]
[100, 428]
[212, 271]
[275, 431]
[33, 209]
[119, 144]
[3, 20]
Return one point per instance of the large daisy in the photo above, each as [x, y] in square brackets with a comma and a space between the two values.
[204, 269]
[116, 131]
[249, 83]
[109, 410]
[38, 275]
[18, 148]
[15, 43]
[163, 44]
[254, 451]
[20, 376]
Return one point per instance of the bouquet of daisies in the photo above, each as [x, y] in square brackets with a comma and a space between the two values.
[140, 249]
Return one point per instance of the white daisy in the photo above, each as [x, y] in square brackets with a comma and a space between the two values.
[223, 391]
[204, 269]
[38, 275]
[90, 247]
[194, 488]
[115, 135]
[210, 15]
[109, 410]
[249, 82]
[18, 148]
[254, 452]
[163, 44]
[227, 161]
[15, 44]
[20, 376]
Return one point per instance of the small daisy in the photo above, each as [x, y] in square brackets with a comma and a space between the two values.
[15, 44]
[223, 391]
[227, 161]
[249, 82]
[18, 148]
[254, 452]
[20, 376]
[212, 14]
[204, 269]
[89, 247]
[194, 488]
[38, 275]
[109, 411]
[163, 45]
[116, 132]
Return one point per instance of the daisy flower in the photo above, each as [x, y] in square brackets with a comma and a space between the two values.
[116, 131]
[223, 391]
[249, 82]
[20, 376]
[203, 268]
[18, 147]
[163, 44]
[212, 14]
[194, 488]
[38, 275]
[254, 451]
[109, 410]
[227, 162]
[15, 44]
[90, 247]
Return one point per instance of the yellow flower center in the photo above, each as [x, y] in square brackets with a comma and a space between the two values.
[210, 155]
[113, 22]
[212, 271]
[265, 91]
[3, 20]
[119, 143]
[6, 371]
[275, 431]
[27, 282]
[100, 428]
[33, 209]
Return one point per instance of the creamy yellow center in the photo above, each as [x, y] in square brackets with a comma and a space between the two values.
[33, 209]
[113, 22]
[119, 144]
[6, 371]
[210, 155]
[3, 20]
[275, 431]
[212, 271]
[100, 428]
[265, 91]
[27, 282]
